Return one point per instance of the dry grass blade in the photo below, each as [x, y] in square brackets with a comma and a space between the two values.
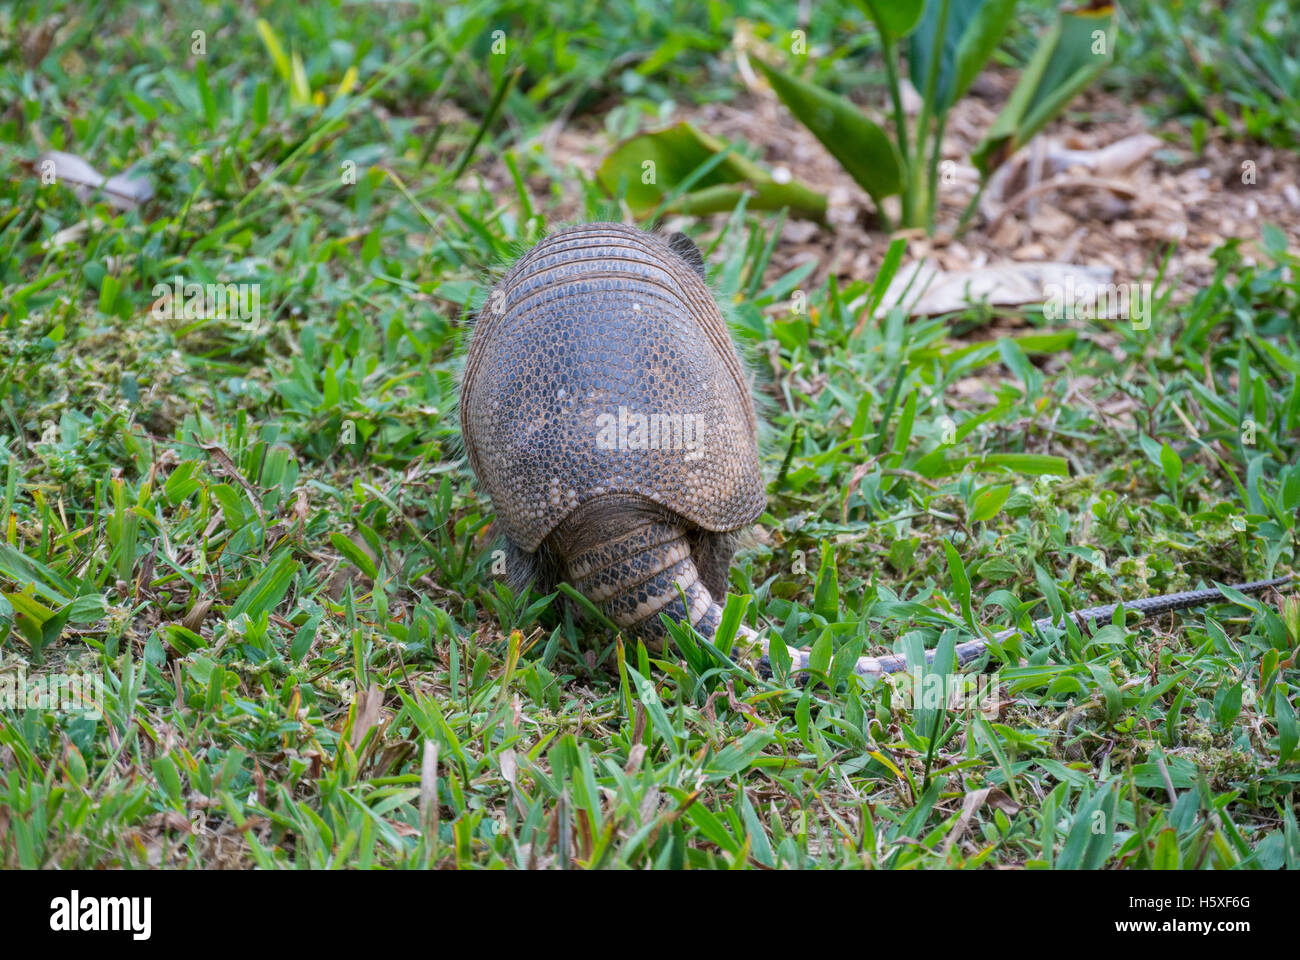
[429, 790]
[368, 703]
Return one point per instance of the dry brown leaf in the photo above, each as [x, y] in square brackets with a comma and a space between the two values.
[1109, 161]
[1044, 158]
[198, 613]
[999, 800]
[122, 191]
[634, 758]
[1012, 284]
[429, 788]
[969, 804]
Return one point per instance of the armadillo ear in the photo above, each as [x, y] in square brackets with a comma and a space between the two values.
[685, 247]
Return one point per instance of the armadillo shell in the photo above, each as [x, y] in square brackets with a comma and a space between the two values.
[596, 327]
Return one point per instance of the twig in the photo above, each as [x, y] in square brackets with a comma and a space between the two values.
[1062, 182]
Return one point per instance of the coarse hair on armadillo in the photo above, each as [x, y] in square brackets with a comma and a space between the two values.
[542, 570]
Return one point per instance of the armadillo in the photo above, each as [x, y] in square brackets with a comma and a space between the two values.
[605, 412]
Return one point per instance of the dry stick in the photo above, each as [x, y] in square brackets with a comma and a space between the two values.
[972, 650]
[1058, 183]
[1036, 160]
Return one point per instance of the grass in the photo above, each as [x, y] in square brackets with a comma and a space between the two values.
[260, 534]
[1234, 69]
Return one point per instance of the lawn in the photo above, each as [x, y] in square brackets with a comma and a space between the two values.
[256, 531]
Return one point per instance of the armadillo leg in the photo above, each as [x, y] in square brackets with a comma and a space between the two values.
[712, 553]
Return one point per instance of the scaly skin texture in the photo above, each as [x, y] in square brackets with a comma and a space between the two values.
[594, 327]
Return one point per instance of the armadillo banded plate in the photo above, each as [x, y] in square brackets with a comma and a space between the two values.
[600, 365]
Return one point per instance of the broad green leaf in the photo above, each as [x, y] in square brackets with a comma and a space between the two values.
[960, 580]
[732, 612]
[1087, 845]
[694, 173]
[52, 629]
[998, 569]
[1050, 594]
[905, 422]
[360, 559]
[712, 827]
[978, 43]
[645, 692]
[264, 593]
[1171, 464]
[24, 605]
[1036, 343]
[181, 639]
[1077, 47]
[936, 464]
[168, 778]
[1166, 856]
[826, 595]
[988, 502]
[1018, 363]
[1288, 730]
[819, 658]
[861, 147]
[888, 268]
[1035, 464]
[232, 505]
[893, 18]
[973, 30]
[738, 755]
[23, 569]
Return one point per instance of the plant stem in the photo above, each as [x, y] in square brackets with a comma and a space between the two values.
[934, 740]
[927, 103]
[900, 121]
[970, 208]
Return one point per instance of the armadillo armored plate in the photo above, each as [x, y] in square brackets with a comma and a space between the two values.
[601, 365]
